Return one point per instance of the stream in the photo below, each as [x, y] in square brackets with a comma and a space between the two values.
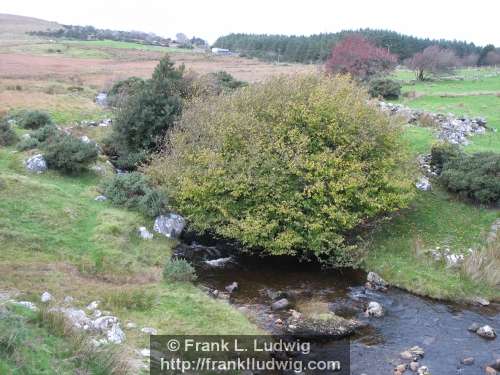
[437, 327]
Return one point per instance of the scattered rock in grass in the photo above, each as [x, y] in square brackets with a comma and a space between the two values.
[102, 99]
[170, 225]
[423, 184]
[105, 123]
[115, 334]
[100, 198]
[145, 352]
[232, 287]
[149, 331]
[93, 305]
[145, 234]
[280, 304]
[486, 332]
[85, 139]
[131, 325]
[46, 297]
[36, 164]
[374, 309]
[68, 299]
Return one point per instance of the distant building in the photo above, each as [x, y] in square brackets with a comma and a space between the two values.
[220, 51]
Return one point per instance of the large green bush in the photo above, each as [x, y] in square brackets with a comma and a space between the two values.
[34, 119]
[133, 190]
[475, 177]
[69, 154]
[145, 115]
[7, 135]
[385, 88]
[290, 166]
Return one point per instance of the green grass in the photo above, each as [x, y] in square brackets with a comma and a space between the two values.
[397, 248]
[126, 45]
[28, 348]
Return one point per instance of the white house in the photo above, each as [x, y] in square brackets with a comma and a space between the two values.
[220, 51]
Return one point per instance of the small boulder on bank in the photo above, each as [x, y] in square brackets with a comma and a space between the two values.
[145, 234]
[374, 281]
[280, 304]
[232, 287]
[423, 184]
[170, 225]
[36, 164]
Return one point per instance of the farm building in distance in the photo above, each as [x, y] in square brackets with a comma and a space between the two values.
[221, 51]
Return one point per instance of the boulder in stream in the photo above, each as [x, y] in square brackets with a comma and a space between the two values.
[232, 287]
[280, 304]
[487, 332]
[374, 309]
[327, 324]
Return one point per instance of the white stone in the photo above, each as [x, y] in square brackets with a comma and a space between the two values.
[374, 309]
[93, 305]
[130, 325]
[145, 352]
[115, 334]
[170, 225]
[28, 305]
[100, 198]
[149, 331]
[36, 164]
[145, 234]
[423, 184]
[486, 332]
[46, 297]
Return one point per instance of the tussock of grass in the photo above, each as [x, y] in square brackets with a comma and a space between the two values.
[483, 265]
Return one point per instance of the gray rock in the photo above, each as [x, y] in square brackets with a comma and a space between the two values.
[100, 198]
[375, 280]
[115, 334]
[36, 164]
[130, 325]
[280, 304]
[102, 99]
[423, 370]
[85, 139]
[322, 324]
[93, 305]
[220, 262]
[473, 327]
[423, 184]
[374, 309]
[104, 323]
[149, 331]
[467, 361]
[486, 332]
[232, 287]
[46, 297]
[480, 301]
[170, 225]
[145, 234]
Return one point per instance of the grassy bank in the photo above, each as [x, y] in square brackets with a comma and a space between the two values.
[398, 250]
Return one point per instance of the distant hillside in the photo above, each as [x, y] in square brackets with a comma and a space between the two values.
[316, 48]
[11, 24]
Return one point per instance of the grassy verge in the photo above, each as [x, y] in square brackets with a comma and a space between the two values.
[398, 249]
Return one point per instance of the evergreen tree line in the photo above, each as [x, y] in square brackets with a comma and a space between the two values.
[317, 48]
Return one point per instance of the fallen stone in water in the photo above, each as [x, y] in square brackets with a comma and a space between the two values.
[220, 262]
[486, 332]
[490, 370]
[327, 324]
[423, 370]
[414, 365]
[170, 225]
[36, 164]
[374, 309]
[280, 304]
[46, 297]
[232, 287]
[467, 361]
[401, 368]
[406, 355]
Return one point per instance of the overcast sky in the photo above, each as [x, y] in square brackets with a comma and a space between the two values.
[477, 21]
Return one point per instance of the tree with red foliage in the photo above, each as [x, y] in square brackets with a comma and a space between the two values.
[433, 60]
[360, 58]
